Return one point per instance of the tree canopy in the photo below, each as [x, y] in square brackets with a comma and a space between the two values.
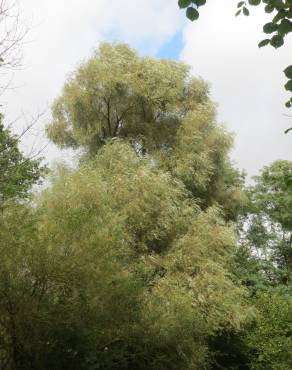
[156, 106]
[117, 93]
[149, 253]
[122, 270]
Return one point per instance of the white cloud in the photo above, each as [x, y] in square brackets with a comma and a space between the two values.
[145, 24]
[247, 82]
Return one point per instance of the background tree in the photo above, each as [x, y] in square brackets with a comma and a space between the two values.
[269, 338]
[270, 224]
[17, 172]
[261, 263]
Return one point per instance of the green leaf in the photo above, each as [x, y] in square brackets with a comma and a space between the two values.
[254, 2]
[270, 27]
[288, 104]
[238, 12]
[277, 41]
[288, 72]
[288, 179]
[269, 9]
[192, 14]
[200, 2]
[264, 43]
[278, 4]
[239, 5]
[184, 3]
[285, 27]
[245, 11]
[288, 85]
[280, 15]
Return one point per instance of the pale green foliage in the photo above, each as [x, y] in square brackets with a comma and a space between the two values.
[179, 252]
[120, 94]
[125, 190]
[192, 160]
[199, 158]
[197, 267]
[66, 294]
[119, 268]
[126, 259]
[160, 109]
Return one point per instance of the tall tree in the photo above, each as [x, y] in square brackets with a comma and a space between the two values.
[157, 106]
[124, 261]
[270, 224]
[117, 93]
[262, 263]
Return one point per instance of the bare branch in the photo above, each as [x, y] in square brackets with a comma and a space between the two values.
[12, 34]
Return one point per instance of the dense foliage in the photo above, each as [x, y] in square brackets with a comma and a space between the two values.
[146, 255]
[156, 106]
[118, 268]
[119, 94]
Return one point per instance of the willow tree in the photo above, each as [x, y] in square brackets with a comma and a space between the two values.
[117, 93]
[133, 268]
[116, 267]
[159, 108]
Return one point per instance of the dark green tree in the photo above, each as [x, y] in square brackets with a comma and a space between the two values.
[262, 263]
[17, 172]
[269, 229]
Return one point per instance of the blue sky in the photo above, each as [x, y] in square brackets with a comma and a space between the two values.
[172, 48]
[245, 82]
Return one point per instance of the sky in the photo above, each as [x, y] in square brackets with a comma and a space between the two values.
[245, 82]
